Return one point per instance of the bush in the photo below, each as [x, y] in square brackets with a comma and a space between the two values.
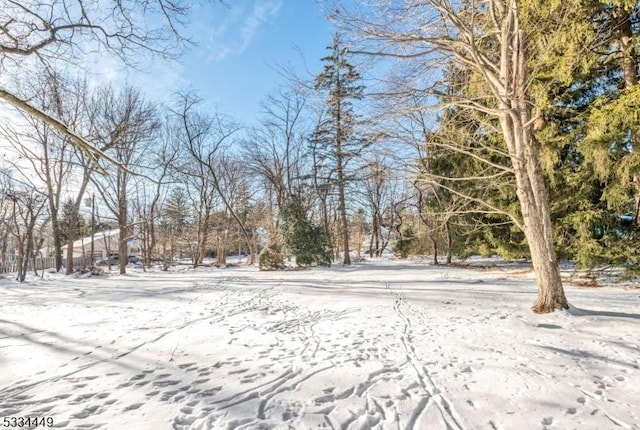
[270, 258]
[405, 243]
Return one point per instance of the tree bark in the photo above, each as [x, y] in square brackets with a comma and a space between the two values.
[123, 231]
[630, 73]
[346, 260]
[524, 150]
[447, 229]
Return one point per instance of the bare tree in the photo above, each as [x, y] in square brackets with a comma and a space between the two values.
[486, 37]
[38, 35]
[125, 125]
[275, 151]
[150, 188]
[375, 192]
[54, 162]
[206, 138]
[232, 183]
[191, 133]
[27, 215]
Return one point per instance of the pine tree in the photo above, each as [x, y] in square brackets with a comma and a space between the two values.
[309, 243]
[175, 220]
[585, 92]
[339, 82]
[175, 213]
[73, 225]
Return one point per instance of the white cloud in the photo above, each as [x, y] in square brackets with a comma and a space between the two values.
[234, 34]
[262, 12]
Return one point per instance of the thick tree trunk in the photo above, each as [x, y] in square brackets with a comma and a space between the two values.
[534, 206]
[516, 124]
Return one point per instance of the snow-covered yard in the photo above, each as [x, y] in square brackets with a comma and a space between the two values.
[379, 345]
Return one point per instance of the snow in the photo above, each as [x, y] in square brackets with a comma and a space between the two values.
[379, 345]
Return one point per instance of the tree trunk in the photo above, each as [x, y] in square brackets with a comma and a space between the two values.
[202, 241]
[524, 150]
[435, 248]
[345, 225]
[379, 235]
[630, 72]
[21, 275]
[57, 242]
[123, 233]
[123, 253]
[221, 250]
[534, 206]
[447, 229]
[69, 265]
[71, 236]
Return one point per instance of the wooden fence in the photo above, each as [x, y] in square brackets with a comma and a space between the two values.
[43, 263]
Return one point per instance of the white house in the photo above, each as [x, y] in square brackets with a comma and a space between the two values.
[105, 243]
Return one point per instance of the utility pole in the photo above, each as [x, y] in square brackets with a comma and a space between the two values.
[93, 224]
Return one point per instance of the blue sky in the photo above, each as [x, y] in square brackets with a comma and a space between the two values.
[239, 49]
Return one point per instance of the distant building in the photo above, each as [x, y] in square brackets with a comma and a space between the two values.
[105, 243]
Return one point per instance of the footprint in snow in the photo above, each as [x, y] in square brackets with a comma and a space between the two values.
[81, 398]
[167, 395]
[87, 412]
[165, 383]
[132, 407]
[42, 410]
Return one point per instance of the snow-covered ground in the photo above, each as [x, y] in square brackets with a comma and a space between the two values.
[387, 344]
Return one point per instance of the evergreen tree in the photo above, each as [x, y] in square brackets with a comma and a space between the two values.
[585, 93]
[175, 222]
[73, 225]
[309, 243]
[339, 82]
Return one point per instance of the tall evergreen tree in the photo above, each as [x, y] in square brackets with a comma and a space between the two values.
[339, 82]
[583, 85]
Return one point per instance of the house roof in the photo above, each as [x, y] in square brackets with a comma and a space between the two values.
[86, 241]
